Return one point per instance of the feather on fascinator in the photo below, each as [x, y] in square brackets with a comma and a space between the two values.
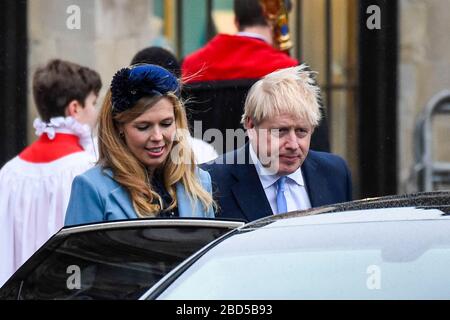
[130, 84]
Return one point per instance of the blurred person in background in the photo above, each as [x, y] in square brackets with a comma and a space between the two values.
[35, 185]
[248, 54]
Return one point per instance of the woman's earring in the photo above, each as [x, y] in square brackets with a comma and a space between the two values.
[121, 134]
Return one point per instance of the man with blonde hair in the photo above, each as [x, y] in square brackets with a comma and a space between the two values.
[276, 172]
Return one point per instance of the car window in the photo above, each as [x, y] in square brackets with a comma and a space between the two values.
[106, 264]
[388, 260]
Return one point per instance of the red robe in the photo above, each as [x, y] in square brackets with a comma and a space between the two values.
[229, 57]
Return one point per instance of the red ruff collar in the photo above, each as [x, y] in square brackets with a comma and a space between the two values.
[46, 150]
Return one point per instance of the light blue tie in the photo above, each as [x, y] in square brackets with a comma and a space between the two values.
[281, 199]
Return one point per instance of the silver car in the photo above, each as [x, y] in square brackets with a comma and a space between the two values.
[386, 248]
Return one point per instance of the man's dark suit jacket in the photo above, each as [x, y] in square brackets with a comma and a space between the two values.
[240, 195]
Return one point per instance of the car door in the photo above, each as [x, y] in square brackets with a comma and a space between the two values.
[115, 260]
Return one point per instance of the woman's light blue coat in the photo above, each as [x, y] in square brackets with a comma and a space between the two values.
[97, 197]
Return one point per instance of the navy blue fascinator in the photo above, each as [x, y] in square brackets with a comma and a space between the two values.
[130, 84]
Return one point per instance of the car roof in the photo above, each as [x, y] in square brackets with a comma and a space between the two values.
[151, 222]
[370, 215]
[420, 206]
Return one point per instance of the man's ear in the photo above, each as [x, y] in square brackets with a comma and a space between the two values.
[248, 123]
[236, 24]
[73, 109]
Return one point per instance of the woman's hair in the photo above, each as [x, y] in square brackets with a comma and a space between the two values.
[132, 174]
[60, 82]
[290, 90]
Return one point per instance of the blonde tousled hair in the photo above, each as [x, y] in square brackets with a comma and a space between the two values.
[290, 90]
[132, 174]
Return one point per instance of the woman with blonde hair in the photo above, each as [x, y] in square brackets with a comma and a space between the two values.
[146, 167]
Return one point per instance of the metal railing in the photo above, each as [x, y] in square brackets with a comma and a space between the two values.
[429, 171]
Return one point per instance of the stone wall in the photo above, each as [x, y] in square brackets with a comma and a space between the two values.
[113, 30]
[424, 70]
[110, 33]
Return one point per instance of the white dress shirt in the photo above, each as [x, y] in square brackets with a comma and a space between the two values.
[295, 191]
[252, 35]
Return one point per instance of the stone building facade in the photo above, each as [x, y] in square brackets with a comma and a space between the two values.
[424, 70]
[110, 33]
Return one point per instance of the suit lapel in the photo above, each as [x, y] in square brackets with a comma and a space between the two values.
[316, 183]
[248, 191]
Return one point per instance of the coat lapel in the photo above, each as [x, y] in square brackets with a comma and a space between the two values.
[188, 208]
[248, 191]
[316, 183]
[120, 197]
